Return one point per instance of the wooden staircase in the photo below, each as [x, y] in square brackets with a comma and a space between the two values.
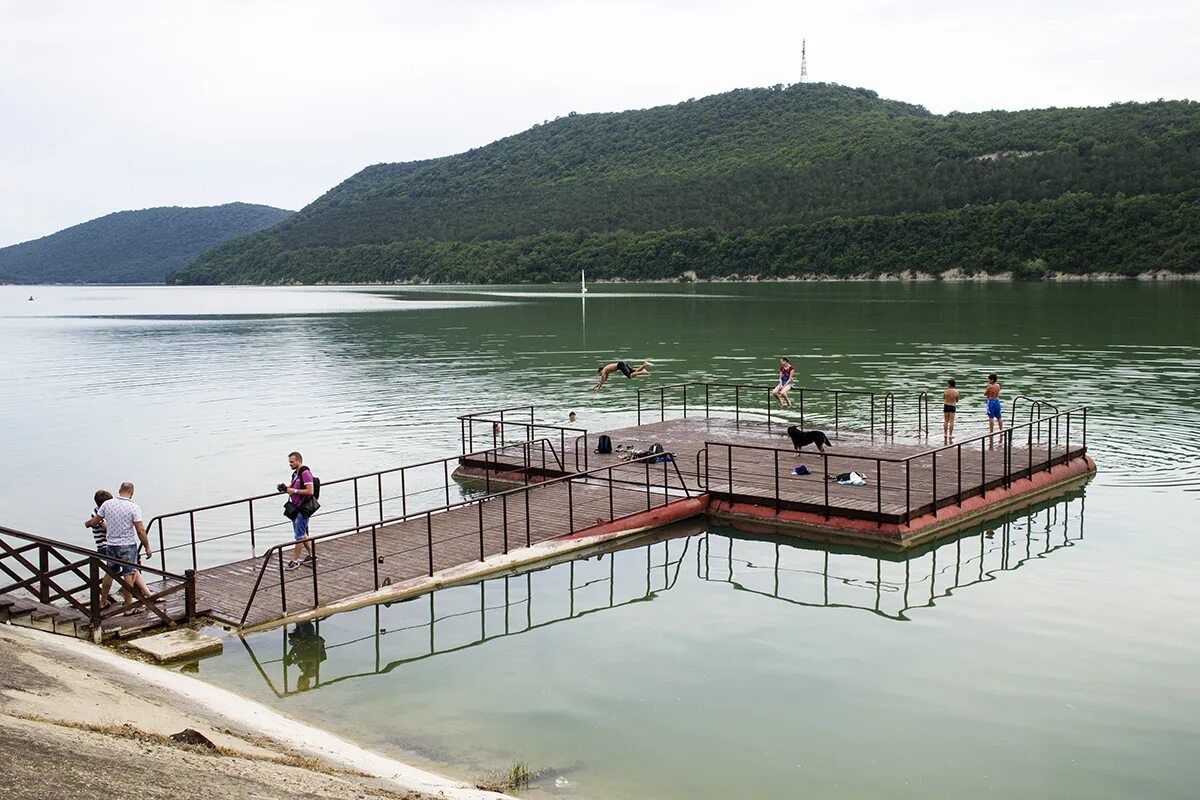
[30, 613]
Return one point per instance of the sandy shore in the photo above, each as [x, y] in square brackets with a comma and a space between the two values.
[79, 721]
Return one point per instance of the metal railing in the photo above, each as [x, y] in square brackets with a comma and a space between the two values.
[1035, 406]
[411, 485]
[494, 427]
[303, 650]
[610, 476]
[54, 572]
[1057, 450]
[881, 406]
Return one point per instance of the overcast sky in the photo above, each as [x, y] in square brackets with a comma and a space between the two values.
[106, 106]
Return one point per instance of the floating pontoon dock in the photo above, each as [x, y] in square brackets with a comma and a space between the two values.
[522, 492]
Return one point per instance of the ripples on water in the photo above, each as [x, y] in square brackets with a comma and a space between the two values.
[1077, 668]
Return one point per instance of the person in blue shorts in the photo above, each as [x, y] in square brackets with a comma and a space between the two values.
[995, 410]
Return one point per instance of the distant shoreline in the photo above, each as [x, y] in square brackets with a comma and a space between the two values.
[905, 276]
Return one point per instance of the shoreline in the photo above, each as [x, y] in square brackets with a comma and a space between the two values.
[59, 691]
[689, 277]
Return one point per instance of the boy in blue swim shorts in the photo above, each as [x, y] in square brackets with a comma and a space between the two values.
[995, 410]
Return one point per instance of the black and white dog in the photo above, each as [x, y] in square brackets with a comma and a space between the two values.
[800, 438]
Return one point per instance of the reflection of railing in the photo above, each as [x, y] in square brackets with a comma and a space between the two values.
[616, 478]
[53, 572]
[305, 649]
[419, 486]
[798, 397]
[795, 566]
[499, 422]
[1058, 450]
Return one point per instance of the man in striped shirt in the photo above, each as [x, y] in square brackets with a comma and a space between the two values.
[124, 529]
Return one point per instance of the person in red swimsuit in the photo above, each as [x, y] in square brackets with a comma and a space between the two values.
[787, 379]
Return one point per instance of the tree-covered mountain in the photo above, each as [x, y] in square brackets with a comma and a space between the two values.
[840, 174]
[131, 246]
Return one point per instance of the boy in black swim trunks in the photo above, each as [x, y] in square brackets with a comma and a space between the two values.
[949, 409]
[623, 368]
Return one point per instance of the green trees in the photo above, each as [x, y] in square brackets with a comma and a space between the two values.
[812, 178]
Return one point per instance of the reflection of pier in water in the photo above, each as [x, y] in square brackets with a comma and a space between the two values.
[786, 569]
[458, 618]
[782, 568]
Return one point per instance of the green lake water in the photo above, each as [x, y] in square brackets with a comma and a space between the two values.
[1049, 654]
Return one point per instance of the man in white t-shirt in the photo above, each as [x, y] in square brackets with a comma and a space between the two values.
[124, 527]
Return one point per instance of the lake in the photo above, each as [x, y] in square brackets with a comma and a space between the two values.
[1051, 653]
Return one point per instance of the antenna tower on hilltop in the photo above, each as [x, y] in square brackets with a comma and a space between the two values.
[803, 60]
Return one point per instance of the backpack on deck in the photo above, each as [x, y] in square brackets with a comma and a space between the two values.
[604, 444]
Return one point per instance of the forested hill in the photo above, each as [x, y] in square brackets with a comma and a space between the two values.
[838, 179]
[131, 246]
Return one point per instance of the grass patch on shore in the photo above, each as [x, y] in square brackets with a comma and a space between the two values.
[516, 777]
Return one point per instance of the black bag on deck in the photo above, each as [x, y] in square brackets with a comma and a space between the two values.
[604, 444]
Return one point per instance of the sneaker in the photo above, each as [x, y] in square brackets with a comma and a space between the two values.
[292, 565]
[308, 559]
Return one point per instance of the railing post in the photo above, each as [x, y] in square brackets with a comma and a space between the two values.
[192, 524]
[982, 468]
[189, 594]
[639, 406]
[825, 470]
[1085, 429]
[282, 582]
[647, 463]
[935, 497]
[768, 410]
[872, 415]
[611, 511]
[836, 420]
[445, 478]
[375, 554]
[878, 493]
[776, 454]
[479, 505]
[802, 408]
[162, 550]
[527, 521]
[685, 401]
[429, 535]
[43, 568]
[94, 595]
[729, 465]
[316, 596]
[737, 404]
[379, 489]
[667, 482]
[959, 449]
[662, 404]
[570, 506]
[253, 545]
[706, 401]
[1030, 446]
[907, 491]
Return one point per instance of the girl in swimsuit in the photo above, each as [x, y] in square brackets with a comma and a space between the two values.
[787, 377]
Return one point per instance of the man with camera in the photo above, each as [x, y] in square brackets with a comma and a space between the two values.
[296, 509]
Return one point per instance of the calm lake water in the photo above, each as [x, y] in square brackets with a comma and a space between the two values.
[1050, 654]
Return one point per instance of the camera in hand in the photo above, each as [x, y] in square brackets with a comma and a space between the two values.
[281, 487]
